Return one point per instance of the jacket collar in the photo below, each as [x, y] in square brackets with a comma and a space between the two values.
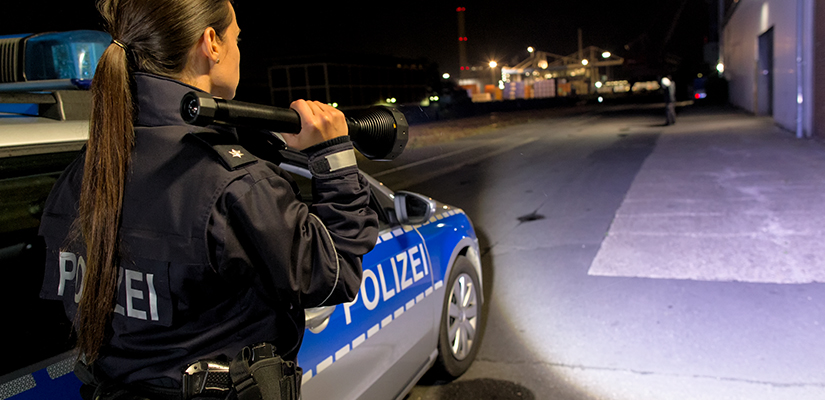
[158, 100]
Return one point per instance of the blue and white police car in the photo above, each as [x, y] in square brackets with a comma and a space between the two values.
[418, 308]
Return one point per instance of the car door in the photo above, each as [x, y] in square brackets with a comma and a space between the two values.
[375, 345]
[37, 342]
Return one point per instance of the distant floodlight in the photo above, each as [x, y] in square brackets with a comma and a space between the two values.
[720, 67]
[598, 85]
[666, 82]
[493, 64]
[606, 54]
[530, 49]
[585, 62]
[446, 76]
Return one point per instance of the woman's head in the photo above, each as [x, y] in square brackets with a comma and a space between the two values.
[214, 63]
[161, 35]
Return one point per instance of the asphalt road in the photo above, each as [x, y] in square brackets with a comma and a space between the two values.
[542, 196]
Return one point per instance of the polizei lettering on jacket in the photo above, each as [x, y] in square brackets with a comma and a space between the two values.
[141, 300]
[392, 278]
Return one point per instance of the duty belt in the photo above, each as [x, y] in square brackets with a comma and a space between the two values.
[256, 373]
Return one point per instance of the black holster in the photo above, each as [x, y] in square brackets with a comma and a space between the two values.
[260, 374]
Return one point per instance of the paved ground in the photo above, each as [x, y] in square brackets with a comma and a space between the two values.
[665, 263]
[724, 198]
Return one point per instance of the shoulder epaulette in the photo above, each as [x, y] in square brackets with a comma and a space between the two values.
[232, 155]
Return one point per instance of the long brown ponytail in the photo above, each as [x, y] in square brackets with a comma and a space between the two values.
[154, 36]
[111, 138]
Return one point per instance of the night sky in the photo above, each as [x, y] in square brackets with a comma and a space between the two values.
[498, 31]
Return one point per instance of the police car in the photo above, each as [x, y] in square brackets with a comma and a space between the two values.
[418, 308]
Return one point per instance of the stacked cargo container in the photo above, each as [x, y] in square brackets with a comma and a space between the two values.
[544, 89]
[495, 92]
[514, 90]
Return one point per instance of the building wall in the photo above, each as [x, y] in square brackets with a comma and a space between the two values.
[750, 19]
[819, 70]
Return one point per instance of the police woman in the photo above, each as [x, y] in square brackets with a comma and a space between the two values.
[169, 243]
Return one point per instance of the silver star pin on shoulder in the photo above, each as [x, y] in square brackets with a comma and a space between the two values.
[235, 153]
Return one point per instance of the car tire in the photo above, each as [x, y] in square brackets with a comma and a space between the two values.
[461, 327]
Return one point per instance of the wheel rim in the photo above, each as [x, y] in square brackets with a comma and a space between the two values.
[462, 316]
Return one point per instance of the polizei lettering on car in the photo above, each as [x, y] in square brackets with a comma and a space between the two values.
[399, 280]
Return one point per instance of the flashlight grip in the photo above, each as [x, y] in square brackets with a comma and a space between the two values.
[202, 109]
[378, 133]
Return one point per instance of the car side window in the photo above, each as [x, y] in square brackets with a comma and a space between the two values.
[39, 328]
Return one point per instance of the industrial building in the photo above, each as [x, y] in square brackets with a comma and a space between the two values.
[773, 57]
[584, 72]
[351, 82]
[542, 75]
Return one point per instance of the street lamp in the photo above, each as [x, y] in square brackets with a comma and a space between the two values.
[530, 49]
[606, 54]
[493, 66]
[585, 62]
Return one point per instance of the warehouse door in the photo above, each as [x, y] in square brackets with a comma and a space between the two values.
[764, 77]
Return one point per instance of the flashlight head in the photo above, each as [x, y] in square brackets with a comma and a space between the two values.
[380, 133]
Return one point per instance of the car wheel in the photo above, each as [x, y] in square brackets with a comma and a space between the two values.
[461, 328]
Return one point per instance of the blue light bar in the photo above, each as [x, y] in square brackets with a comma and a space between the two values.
[64, 55]
[16, 36]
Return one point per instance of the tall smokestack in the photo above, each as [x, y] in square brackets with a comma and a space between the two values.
[581, 54]
[464, 67]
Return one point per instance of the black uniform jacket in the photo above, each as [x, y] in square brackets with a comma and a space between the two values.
[217, 252]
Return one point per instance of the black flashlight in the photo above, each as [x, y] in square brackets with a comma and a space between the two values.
[379, 133]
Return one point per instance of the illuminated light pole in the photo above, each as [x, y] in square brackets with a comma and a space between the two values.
[493, 66]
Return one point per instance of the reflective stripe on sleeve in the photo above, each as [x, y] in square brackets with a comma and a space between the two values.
[341, 159]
